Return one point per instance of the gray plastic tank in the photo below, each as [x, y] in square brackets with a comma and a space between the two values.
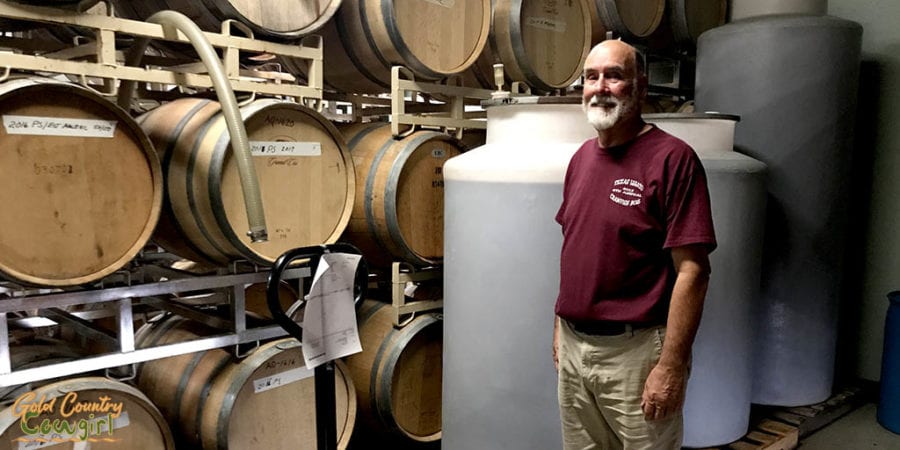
[501, 276]
[744, 9]
[717, 404]
[793, 80]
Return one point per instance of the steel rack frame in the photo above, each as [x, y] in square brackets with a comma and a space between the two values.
[405, 311]
[124, 300]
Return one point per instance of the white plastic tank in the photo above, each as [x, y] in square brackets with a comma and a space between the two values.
[717, 405]
[501, 276]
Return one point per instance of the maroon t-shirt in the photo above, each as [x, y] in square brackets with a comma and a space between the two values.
[623, 209]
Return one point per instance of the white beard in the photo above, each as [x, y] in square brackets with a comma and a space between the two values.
[603, 119]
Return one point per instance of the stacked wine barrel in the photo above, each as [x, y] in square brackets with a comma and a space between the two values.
[305, 174]
[213, 400]
[80, 184]
[117, 415]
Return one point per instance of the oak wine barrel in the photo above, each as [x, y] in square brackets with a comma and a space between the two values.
[598, 28]
[398, 213]
[255, 298]
[541, 44]
[272, 19]
[32, 352]
[113, 415]
[685, 21]
[213, 401]
[19, 25]
[65, 4]
[80, 184]
[631, 19]
[305, 176]
[432, 38]
[398, 374]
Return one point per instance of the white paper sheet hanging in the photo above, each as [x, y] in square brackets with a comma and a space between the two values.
[329, 320]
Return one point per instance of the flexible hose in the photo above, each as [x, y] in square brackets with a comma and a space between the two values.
[239, 142]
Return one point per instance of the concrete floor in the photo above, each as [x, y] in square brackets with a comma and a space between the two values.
[854, 431]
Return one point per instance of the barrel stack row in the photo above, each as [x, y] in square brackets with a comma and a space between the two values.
[541, 43]
[206, 400]
[85, 184]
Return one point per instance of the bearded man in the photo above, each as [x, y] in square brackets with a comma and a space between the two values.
[634, 267]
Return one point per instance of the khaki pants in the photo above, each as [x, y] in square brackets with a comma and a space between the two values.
[601, 379]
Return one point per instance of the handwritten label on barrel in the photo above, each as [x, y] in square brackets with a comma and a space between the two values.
[281, 379]
[546, 23]
[56, 126]
[264, 148]
[444, 3]
[438, 152]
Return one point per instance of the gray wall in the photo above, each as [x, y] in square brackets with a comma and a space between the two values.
[874, 254]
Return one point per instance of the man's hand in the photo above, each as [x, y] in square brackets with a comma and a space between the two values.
[556, 343]
[664, 389]
[663, 392]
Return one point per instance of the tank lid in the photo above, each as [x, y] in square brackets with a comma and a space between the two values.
[532, 100]
[689, 116]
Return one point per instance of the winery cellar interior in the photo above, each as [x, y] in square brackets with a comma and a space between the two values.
[288, 224]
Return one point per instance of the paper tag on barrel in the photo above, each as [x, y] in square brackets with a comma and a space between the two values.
[277, 148]
[57, 126]
[329, 320]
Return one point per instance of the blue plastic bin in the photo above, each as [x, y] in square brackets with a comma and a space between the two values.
[889, 402]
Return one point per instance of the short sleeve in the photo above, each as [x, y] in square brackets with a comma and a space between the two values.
[688, 211]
